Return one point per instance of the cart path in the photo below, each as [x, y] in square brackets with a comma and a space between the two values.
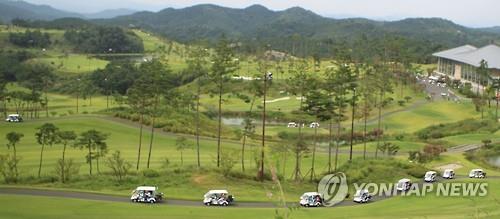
[178, 202]
[168, 201]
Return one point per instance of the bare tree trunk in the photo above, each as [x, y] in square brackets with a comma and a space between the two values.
[260, 174]
[63, 177]
[314, 153]
[41, 159]
[245, 138]
[140, 141]
[155, 108]
[198, 124]
[496, 110]
[352, 123]
[219, 129]
[90, 158]
[379, 123]
[337, 145]
[364, 131]
[330, 138]
[297, 152]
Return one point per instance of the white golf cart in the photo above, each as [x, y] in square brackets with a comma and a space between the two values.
[14, 118]
[362, 196]
[314, 125]
[449, 174]
[477, 173]
[311, 199]
[292, 125]
[218, 197]
[404, 185]
[146, 194]
[430, 176]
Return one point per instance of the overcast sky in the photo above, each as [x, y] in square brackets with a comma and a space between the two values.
[475, 13]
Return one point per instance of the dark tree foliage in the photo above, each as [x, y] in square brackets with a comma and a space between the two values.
[11, 63]
[30, 39]
[117, 77]
[101, 39]
[61, 23]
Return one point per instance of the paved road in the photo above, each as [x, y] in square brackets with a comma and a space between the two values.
[176, 202]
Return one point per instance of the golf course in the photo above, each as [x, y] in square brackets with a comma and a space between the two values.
[215, 112]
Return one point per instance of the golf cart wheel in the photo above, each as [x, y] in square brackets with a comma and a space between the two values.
[225, 204]
[207, 204]
[152, 201]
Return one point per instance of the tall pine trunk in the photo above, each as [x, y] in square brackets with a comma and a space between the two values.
[364, 129]
[297, 173]
[63, 177]
[41, 159]
[245, 137]
[90, 158]
[155, 108]
[140, 141]
[379, 123]
[198, 124]
[219, 128]
[330, 138]
[314, 153]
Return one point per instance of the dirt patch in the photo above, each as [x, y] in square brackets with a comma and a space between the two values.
[453, 166]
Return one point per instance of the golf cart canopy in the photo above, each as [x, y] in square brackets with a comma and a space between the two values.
[211, 192]
[361, 192]
[430, 173]
[404, 181]
[476, 170]
[449, 171]
[145, 188]
[14, 115]
[309, 194]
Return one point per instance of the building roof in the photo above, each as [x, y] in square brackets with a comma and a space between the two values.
[471, 55]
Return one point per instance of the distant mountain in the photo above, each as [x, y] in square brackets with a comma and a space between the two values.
[491, 29]
[258, 25]
[111, 13]
[10, 9]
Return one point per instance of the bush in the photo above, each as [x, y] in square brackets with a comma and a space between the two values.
[8, 168]
[118, 165]
[66, 170]
[150, 173]
[458, 128]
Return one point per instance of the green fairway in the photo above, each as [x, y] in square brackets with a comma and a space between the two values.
[431, 113]
[124, 137]
[73, 63]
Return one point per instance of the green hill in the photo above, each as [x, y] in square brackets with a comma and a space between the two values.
[301, 31]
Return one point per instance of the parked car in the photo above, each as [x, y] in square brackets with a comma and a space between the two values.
[449, 174]
[430, 176]
[146, 194]
[314, 125]
[477, 173]
[14, 118]
[292, 125]
[311, 199]
[218, 197]
[404, 185]
[362, 196]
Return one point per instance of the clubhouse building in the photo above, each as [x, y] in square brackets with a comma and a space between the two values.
[461, 63]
